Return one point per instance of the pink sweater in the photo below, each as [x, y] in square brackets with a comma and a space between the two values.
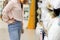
[12, 10]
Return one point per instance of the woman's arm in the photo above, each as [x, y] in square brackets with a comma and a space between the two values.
[6, 10]
[22, 13]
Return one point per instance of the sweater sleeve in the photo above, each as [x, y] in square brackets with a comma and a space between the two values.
[6, 10]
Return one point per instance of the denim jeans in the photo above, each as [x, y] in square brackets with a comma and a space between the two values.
[14, 30]
[43, 34]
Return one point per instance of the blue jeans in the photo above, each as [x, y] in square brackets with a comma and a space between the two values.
[14, 30]
[43, 34]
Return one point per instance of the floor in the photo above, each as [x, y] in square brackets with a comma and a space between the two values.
[28, 34]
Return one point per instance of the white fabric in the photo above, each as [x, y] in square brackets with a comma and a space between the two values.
[45, 38]
[54, 30]
[38, 28]
[45, 17]
[55, 3]
[39, 4]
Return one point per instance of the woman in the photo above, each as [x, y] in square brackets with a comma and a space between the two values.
[54, 27]
[54, 24]
[12, 14]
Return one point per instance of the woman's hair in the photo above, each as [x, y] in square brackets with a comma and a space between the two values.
[57, 12]
[21, 5]
[24, 2]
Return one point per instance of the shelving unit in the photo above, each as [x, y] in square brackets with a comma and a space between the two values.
[1, 6]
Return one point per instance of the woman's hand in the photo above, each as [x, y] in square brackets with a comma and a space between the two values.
[46, 31]
[22, 31]
[11, 21]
